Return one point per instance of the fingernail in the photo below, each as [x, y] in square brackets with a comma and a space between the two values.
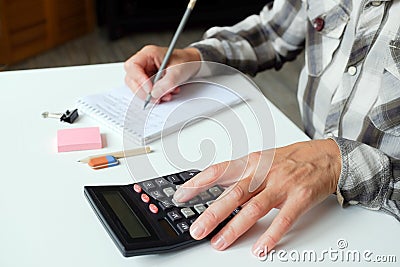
[178, 194]
[260, 251]
[219, 243]
[197, 230]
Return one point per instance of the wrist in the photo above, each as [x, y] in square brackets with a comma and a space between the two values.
[193, 54]
[334, 154]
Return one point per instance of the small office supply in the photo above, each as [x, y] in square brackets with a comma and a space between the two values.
[143, 218]
[78, 139]
[120, 154]
[67, 116]
[120, 110]
[185, 17]
[103, 162]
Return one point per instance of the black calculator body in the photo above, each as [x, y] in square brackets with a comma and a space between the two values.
[142, 218]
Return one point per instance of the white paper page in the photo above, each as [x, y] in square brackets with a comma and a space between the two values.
[119, 109]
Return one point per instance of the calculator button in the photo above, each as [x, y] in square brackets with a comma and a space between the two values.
[199, 208]
[145, 198]
[174, 215]
[183, 227]
[148, 185]
[215, 191]
[165, 204]
[178, 204]
[137, 188]
[161, 182]
[187, 175]
[194, 201]
[173, 179]
[156, 194]
[205, 196]
[187, 212]
[169, 191]
[209, 202]
[153, 208]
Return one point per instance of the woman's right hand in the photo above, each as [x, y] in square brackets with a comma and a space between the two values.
[146, 62]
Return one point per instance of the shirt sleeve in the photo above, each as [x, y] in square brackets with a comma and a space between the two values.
[368, 178]
[259, 42]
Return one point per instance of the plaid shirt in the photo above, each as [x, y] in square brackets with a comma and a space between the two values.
[349, 88]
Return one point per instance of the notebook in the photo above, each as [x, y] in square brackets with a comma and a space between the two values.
[121, 111]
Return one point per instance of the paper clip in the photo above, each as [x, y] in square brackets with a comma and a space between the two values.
[68, 116]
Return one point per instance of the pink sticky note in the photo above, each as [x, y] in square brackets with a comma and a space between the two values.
[78, 139]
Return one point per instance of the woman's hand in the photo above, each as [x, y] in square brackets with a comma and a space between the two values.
[145, 63]
[300, 176]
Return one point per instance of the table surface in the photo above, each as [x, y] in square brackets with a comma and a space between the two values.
[46, 220]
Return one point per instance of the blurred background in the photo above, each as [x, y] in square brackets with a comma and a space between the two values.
[58, 33]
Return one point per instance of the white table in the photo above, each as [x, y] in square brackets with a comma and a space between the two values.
[45, 219]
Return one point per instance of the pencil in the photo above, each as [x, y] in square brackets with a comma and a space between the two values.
[171, 47]
[120, 154]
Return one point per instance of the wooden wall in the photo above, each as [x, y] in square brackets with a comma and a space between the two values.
[28, 27]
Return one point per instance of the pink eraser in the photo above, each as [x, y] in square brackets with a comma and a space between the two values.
[78, 139]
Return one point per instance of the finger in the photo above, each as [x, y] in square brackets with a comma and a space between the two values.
[169, 96]
[282, 223]
[200, 182]
[166, 98]
[250, 213]
[172, 78]
[136, 88]
[138, 77]
[219, 211]
[176, 91]
[163, 86]
[139, 92]
[146, 60]
[224, 174]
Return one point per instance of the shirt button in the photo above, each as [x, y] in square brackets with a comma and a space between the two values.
[376, 3]
[329, 134]
[352, 70]
[319, 24]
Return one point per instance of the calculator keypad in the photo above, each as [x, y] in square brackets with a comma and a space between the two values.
[169, 191]
[187, 212]
[199, 208]
[174, 215]
[158, 195]
[183, 227]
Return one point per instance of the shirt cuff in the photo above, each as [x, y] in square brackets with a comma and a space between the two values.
[365, 177]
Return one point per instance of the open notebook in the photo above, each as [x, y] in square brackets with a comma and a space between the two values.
[120, 110]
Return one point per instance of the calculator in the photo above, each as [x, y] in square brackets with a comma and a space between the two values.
[143, 218]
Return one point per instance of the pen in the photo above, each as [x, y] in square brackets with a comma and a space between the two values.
[171, 47]
[120, 154]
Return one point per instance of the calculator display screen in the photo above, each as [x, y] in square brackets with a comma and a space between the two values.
[126, 215]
